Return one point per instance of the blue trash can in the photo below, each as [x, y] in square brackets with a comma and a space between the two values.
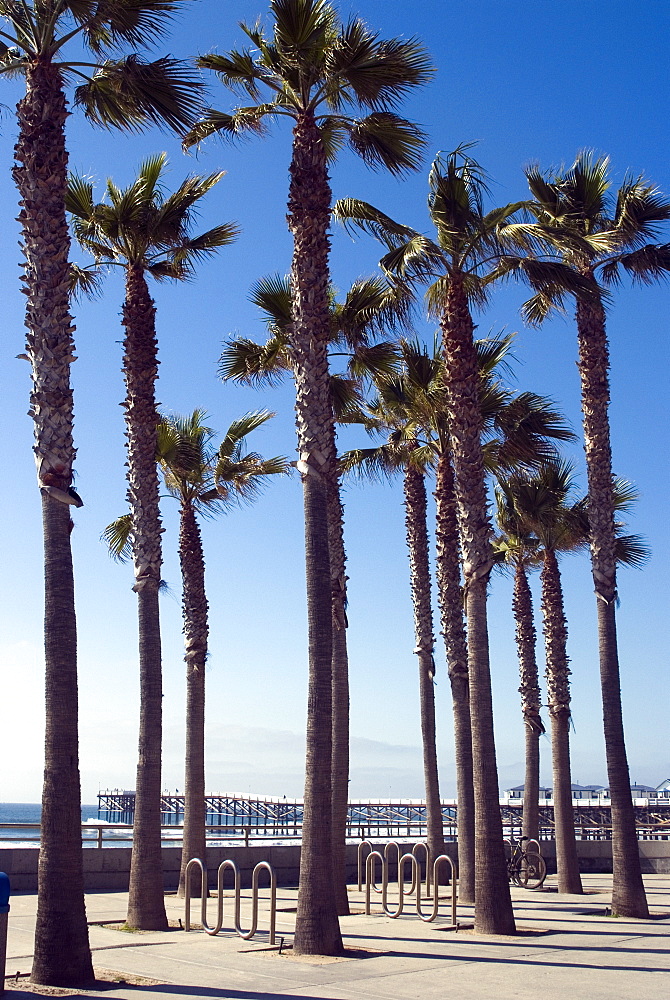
[4, 910]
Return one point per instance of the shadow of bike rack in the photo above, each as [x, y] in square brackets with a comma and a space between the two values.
[196, 863]
[375, 857]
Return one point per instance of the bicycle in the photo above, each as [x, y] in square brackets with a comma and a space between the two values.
[525, 868]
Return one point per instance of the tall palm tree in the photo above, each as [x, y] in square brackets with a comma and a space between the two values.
[370, 309]
[601, 237]
[465, 259]
[115, 91]
[316, 71]
[205, 482]
[395, 411]
[517, 548]
[517, 430]
[542, 503]
[145, 231]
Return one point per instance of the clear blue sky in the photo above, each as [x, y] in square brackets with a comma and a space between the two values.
[528, 80]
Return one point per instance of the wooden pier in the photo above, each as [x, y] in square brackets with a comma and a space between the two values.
[282, 817]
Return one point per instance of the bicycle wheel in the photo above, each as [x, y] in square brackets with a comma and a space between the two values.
[531, 870]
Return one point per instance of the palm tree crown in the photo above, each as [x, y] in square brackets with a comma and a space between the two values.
[121, 92]
[311, 64]
[595, 232]
[143, 226]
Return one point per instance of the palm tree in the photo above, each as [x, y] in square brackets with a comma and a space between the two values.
[600, 237]
[397, 410]
[541, 503]
[315, 70]
[121, 92]
[517, 548]
[466, 259]
[517, 430]
[369, 309]
[146, 232]
[205, 482]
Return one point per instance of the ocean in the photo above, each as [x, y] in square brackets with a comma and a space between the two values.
[30, 812]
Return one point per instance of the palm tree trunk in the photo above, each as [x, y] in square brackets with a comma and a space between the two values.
[317, 928]
[340, 695]
[529, 689]
[194, 611]
[493, 904]
[340, 766]
[146, 907]
[62, 955]
[628, 895]
[558, 691]
[416, 513]
[450, 597]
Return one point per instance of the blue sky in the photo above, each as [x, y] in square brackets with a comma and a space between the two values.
[528, 81]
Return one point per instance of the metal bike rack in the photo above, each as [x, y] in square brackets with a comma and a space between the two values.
[403, 860]
[436, 890]
[417, 847]
[245, 935]
[363, 844]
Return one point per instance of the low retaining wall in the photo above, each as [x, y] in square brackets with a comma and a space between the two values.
[107, 869]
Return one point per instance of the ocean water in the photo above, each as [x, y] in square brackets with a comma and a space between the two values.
[30, 812]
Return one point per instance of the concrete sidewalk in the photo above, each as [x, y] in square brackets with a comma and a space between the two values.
[567, 947]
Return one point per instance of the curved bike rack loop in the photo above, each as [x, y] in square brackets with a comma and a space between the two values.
[440, 859]
[245, 935]
[363, 843]
[422, 846]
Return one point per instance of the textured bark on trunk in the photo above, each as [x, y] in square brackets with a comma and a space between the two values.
[450, 598]
[196, 632]
[317, 928]
[146, 906]
[416, 525]
[340, 693]
[558, 694]
[529, 689]
[340, 766]
[62, 956]
[628, 895]
[493, 904]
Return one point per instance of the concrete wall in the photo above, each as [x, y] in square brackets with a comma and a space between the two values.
[107, 869]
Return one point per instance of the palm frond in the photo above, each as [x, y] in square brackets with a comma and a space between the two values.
[118, 537]
[247, 362]
[273, 295]
[383, 139]
[648, 264]
[417, 259]
[303, 26]
[334, 133]
[345, 396]
[379, 73]
[237, 70]
[624, 495]
[381, 463]
[375, 360]
[641, 208]
[631, 550]
[85, 282]
[132, 95]
[109, 23]
[199, 247]
[240, 428]
[355, 214]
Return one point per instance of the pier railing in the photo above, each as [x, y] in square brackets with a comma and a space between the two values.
[99, 835]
